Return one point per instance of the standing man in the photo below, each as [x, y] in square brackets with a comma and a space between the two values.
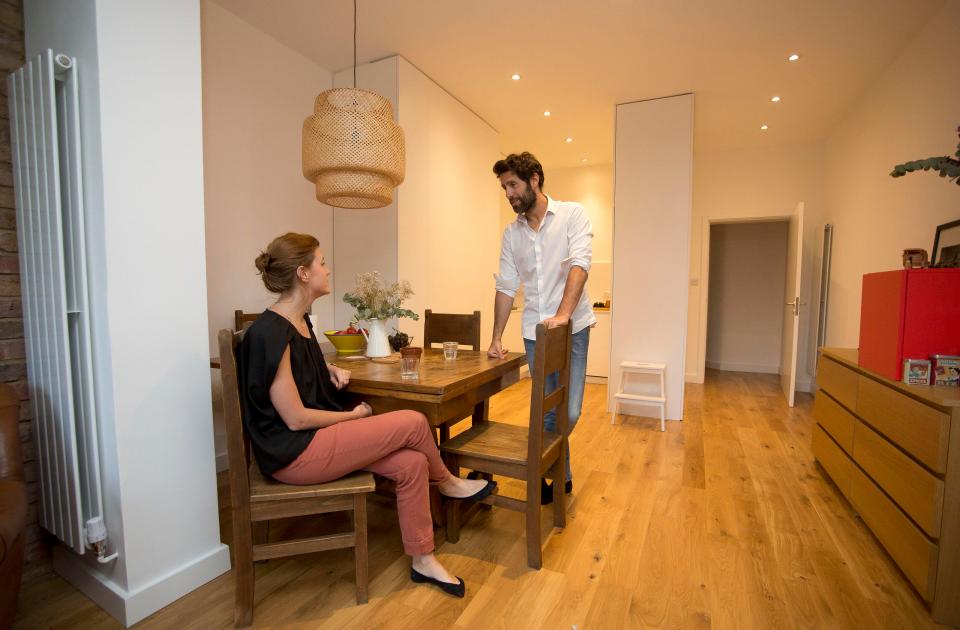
[548, 249]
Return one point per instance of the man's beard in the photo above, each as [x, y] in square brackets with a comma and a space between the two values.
[527, 200]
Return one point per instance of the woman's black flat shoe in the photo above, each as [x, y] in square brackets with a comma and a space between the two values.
[457, 590]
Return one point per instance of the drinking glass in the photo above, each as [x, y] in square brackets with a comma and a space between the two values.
[450, 350]
[410, 362]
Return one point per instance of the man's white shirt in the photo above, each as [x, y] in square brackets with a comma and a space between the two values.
[542, 260]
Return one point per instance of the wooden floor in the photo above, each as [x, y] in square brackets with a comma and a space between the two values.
[723, 521]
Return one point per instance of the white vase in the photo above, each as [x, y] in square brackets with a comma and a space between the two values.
[377, 343]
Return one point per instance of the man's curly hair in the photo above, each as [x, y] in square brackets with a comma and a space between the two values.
[523, 165]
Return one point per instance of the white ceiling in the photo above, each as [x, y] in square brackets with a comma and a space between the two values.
[579, 58]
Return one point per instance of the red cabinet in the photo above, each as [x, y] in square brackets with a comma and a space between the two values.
[908, 314]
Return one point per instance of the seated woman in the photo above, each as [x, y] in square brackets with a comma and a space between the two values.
[301, 433]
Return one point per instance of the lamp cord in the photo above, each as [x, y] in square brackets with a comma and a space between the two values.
[354, 44]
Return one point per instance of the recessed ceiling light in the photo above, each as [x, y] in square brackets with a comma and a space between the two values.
[584, 160]
[763, 127]
[546, 113]
[775, 99]
[569, 140]
[515, 77]
[793, 57]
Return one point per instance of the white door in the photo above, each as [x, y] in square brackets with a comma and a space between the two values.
[791, 309]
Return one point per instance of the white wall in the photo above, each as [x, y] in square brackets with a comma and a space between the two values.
[754, 184]
[448, 236]
[748, 263]
[366, 240]
[651, 239]
[441, 231]
[592, 186]
[256, 93]
[910, 112]
[151, 362]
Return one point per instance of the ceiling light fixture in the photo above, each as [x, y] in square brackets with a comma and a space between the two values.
[775, 99]
[584, 160]
[351, 147]
[515, 77]
[547, 113]
[793, 57]
[569, 140]
[763, 127]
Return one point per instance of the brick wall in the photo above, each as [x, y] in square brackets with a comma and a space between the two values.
[12, 364]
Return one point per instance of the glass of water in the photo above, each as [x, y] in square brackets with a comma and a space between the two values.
[450, 350]
[410, 362]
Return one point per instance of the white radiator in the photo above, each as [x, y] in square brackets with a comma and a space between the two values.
[45, 145]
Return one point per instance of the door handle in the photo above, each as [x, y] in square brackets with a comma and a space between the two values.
[795, 303]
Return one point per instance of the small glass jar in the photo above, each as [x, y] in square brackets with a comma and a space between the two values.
[450, 350]
[410, 362]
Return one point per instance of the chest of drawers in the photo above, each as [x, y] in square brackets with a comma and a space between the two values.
[893, 450]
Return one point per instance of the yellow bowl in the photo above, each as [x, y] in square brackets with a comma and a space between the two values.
[346, 344]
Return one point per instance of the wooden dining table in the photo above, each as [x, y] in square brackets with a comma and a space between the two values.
[445, 391]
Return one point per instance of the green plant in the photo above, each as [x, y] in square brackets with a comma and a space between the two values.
[947, 166]
[374, 299]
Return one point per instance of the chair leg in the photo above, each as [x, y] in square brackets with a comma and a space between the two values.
[243, 574]
[534, 552]
[453, 506]
[261, 535]
[663, 417]
[261, 532]
[559, 495]
[360, 553]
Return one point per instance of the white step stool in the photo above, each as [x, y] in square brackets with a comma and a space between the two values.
[636, 367]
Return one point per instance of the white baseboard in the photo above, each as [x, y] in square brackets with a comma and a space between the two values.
[598, 380]
[129, 607]
[730, 366]
[804, 384]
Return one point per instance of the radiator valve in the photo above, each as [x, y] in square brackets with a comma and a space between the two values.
[97, 539]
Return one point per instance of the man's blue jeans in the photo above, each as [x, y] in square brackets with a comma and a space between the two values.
[578, 378]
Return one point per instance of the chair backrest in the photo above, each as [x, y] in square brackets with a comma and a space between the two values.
[440, 327]
[238, 445]
[241, 320]
[551, 354]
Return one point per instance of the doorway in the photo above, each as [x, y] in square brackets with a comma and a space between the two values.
[790, 305]
[747, 280]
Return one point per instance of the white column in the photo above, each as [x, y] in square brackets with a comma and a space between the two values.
[651, 240]
[142, 159]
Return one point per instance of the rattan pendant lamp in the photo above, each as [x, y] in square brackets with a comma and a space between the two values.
[353, 151]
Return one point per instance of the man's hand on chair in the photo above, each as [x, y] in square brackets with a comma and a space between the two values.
[557, 321]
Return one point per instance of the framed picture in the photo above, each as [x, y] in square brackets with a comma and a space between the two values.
[946, 245]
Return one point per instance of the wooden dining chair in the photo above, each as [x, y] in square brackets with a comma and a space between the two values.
[526, 453]
[440, 327]
[255, 500]
[241, 320]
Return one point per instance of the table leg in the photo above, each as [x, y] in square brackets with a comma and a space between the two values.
[481, 412]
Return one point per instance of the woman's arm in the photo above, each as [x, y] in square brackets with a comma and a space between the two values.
[286, 400]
